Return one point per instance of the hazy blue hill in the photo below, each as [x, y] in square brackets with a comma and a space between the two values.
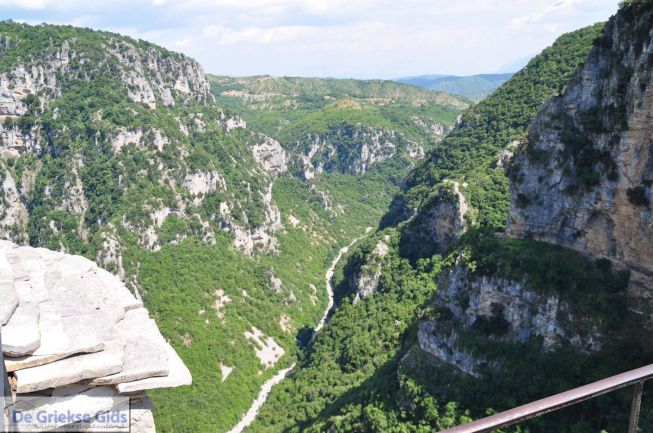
[474, 87]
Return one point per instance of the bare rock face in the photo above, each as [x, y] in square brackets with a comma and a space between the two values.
[438, 223]
[499, 308]
[147, 82]
[71, 328]
[352, 149]
[585, 177]
[271, 156]
[261, 238]
[366, 280]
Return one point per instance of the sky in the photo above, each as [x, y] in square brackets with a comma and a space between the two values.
[332, 38]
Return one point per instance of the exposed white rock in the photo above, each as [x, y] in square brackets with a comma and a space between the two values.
[109, 255]
[235, 122]
[70, 370]
[225, 371]
[178, 376]
[10, 300]
[275, 282]
[201, 183]
[221, 299]
[367, 278]
[267, 349]
[142, 420]
[21, 336]
[13, 212]
[293, 221]
[145, 354]
[271, 156]
[15, 142]
[126, 137]
[159, 140]
[260, 238]
[285, 323]
[59, 339]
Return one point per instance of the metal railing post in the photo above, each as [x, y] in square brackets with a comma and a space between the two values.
[635, 407]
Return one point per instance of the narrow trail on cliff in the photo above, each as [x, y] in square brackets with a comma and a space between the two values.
[254, 409]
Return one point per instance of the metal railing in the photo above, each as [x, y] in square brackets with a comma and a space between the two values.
[636, 378]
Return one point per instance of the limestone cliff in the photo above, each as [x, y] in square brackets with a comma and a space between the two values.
[106, 138]
[583, 178]
[438, 224]
[581, 186]
[494, 307]
[352, 149]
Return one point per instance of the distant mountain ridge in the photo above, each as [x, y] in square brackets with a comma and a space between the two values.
[475, 87]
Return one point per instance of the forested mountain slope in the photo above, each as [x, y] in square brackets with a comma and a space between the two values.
[342, 126]
[116, 149]
[474, 154]
[433, 329]
[475, 87]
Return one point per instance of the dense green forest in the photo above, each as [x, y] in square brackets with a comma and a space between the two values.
[112, 161]
[126, 153]
[470, 153]
[329, 121]
[365, 372]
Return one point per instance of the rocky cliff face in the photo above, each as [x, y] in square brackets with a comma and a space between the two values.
[365, 281]
[353, 149]
[148, 74]
[438, 224]
[583, 178]
[104, 137]
[472, 305]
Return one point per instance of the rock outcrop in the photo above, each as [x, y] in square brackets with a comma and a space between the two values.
[70, 328]
[584, 178]
[438, 222]
[270, 155]
[352, 149]
[366, 280]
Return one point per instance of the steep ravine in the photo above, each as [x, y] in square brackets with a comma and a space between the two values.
[254, 409]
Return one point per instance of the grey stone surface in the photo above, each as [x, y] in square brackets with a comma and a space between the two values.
[145, 354]
[74, 331]
[71, 370]
[21, 335]
[9, 301]
[60, 337]
[142, 420]
[178, 376]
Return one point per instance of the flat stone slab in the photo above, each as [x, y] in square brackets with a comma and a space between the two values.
[145, 349]
[60, 338]
[178, 376]
[21, 335]
[142, 420]
[9, 301]
[70, 370]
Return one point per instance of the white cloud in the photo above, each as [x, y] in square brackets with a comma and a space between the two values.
[373, 38]
[26, 4]
[257, 35]
[558, 9]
